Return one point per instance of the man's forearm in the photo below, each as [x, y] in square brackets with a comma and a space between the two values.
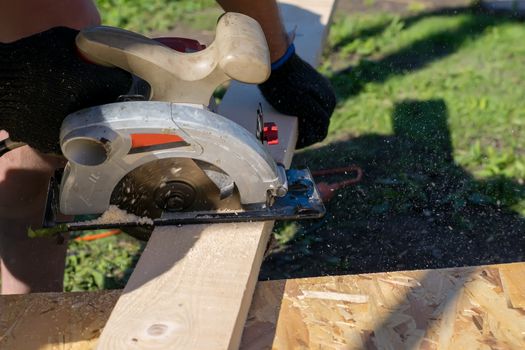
[267, 14]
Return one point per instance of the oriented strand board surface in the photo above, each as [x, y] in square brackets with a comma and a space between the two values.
[462, 308]
[310, 20]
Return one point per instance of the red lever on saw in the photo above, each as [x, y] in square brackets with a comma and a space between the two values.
[326, 190]
[181, 44]
[271, 133]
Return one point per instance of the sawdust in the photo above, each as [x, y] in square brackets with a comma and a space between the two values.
[228, 210]
[115, 215]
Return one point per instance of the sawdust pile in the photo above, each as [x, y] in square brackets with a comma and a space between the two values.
[115, 215]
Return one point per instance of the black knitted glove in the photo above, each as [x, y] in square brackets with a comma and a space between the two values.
[296, 88]
[42, 80]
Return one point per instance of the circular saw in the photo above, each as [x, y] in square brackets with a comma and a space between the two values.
[165, 156]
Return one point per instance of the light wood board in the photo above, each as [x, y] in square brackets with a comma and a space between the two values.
[48, 321]
[193, 285]
[191, 289]
[460, 308]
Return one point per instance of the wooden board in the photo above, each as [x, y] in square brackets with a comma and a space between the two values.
[46, 321]
[460, 308]
[193, 285]
[310, 20]
[191, 289]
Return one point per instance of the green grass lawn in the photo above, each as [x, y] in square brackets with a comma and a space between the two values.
[432, 107]
[464, 67]
[153, 15]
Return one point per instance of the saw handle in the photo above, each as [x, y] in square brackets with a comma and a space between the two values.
[238, 52]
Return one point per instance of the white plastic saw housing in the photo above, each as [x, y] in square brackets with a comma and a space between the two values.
[98, 144]
[99, 141]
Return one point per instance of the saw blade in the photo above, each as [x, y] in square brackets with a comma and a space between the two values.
[169, 185]
[301, 202]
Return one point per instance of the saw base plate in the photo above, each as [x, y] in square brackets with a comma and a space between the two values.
[301, 202]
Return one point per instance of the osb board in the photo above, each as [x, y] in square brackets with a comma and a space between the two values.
[462, 308]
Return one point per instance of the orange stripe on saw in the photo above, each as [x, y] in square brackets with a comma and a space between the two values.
[146, 140]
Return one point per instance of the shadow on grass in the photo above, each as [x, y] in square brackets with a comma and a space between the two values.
[408, 21]
[350, 80]
[415, 208]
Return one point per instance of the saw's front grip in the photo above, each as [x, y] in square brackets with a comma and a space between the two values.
[239, 52]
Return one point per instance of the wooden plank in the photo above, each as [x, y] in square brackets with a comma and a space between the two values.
[310, 20]
[189, 289]
[49, 321]
[458, 308]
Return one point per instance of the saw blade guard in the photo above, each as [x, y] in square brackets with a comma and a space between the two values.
[105, 143]
[239, 51]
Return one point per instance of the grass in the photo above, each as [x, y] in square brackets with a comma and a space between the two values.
[155, 15]
[102, 264]
[431, 106]
[469, 61]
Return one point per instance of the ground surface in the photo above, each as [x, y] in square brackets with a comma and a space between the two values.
[430, 106]
[429, 109]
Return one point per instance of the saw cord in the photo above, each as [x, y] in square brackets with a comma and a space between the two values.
[99, 235]
[327, 190]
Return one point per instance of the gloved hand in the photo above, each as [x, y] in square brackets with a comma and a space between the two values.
[43, 79]
[296, 88]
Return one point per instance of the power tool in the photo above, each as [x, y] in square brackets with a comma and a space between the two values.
[163, 155]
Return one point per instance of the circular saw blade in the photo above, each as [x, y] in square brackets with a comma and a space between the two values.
[172, 184]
